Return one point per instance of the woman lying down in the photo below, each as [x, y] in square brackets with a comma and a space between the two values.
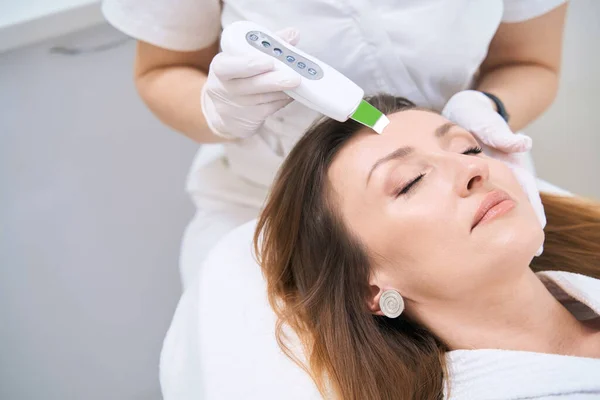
[405, 263]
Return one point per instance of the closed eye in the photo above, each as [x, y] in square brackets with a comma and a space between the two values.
[406, 189]
[473, 150]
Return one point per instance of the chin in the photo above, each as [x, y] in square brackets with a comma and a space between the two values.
[515, 241]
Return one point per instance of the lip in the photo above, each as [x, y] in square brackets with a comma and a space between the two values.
[494, 204]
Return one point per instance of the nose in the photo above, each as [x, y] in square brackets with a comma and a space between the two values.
[472, 172]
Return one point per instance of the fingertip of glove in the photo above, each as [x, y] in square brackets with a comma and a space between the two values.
[290, 81]
[527, 143]
[521, 144]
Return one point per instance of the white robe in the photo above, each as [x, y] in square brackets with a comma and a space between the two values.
[504, 374]
[221, 344]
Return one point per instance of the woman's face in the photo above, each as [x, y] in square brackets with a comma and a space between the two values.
[438, 218]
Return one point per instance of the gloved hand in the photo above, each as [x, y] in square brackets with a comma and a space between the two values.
[475, 112]
[241, 92]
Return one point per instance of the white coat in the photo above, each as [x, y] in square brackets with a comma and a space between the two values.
[425, 50]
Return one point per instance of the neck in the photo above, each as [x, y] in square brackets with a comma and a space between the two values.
[522, 315]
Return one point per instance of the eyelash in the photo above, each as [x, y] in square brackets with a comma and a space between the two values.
[473, 150]
[408, 188]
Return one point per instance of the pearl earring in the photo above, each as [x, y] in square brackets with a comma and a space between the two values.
[391, 304]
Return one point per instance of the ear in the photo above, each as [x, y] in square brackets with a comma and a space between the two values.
[373, 301]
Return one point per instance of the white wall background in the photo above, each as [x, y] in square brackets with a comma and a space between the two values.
[92, 210]
[566, 146]
[91, 214]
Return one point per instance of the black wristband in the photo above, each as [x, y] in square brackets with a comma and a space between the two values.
[499, 106]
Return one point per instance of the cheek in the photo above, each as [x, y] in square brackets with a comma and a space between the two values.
[419, 241]
[425, 228]
[504, 177]
[501, 175]
[515, 238]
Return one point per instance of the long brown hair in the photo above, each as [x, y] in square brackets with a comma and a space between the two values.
[317, 277]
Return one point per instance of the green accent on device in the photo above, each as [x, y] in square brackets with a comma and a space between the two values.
[366, 114]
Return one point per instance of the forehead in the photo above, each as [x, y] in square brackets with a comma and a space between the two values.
[413, 128]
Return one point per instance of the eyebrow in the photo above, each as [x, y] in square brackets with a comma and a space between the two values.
[394, 155]
[401, 152]
[441, 130]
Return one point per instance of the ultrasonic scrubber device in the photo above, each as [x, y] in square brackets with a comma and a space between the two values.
[322, 88]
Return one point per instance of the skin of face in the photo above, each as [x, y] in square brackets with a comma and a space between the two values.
[422, 243]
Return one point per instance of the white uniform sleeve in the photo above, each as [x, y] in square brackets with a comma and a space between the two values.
[522, 10]
[182, 25]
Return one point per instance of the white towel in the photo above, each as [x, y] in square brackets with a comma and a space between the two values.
[504, 374]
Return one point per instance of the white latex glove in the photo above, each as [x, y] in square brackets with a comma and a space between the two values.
[241, 92]
[475, 112]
